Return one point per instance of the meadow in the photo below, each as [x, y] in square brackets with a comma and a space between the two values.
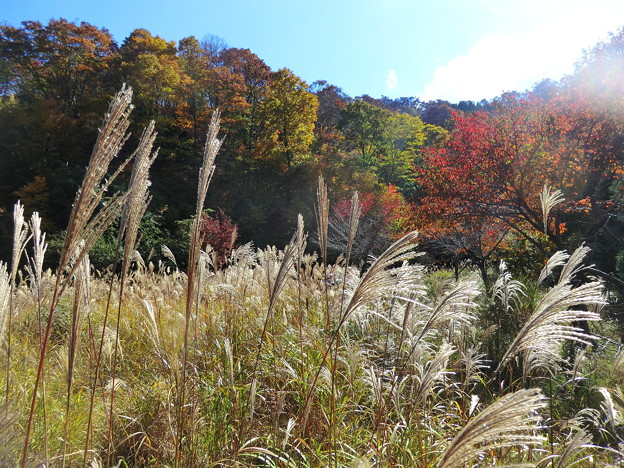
[286, 358]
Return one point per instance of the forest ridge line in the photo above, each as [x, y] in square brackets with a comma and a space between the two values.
[467, 175]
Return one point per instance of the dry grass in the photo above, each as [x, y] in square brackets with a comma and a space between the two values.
[279, 359]
[403, 384]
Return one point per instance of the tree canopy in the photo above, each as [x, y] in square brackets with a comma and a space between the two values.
[468, 175]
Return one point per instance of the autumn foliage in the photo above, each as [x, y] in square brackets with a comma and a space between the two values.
[468, 176]
[383, 219]
[495, 165]
[219, 235]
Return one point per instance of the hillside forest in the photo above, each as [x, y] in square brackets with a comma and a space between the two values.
[468, 176]
[307, 278]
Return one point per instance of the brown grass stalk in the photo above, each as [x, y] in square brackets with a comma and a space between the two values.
[131, 216]
[213, 144]
[85, 225]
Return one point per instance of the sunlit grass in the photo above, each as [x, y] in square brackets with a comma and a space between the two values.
[400, 384]
[279, 358]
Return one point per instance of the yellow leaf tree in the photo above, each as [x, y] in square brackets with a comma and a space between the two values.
[289, 114]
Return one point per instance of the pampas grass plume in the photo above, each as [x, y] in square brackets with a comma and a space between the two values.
[511, 421]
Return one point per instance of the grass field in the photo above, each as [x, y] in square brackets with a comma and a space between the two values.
[279, 358]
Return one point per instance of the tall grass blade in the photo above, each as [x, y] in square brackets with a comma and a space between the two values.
[85, 225]
[213, 144]
[511, 421]
[548, 200]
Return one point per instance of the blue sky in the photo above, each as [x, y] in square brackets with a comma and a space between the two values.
[446, 49]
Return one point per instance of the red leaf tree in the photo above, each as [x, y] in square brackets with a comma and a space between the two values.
[382, 219]
[220, 233]
[495, 165]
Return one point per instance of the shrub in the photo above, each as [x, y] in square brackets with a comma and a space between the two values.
[220, 233]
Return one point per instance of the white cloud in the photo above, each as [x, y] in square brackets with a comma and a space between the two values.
[514, 62]
[391, 80]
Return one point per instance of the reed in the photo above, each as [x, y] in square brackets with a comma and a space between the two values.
[205, 175]
[86, 223]
[283, 358]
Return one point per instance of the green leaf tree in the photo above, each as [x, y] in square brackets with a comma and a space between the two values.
[364, 125]
[403, 139]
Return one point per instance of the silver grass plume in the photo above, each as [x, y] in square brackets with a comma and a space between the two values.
[474, 362]
[20, 238]
[94, 230]
[138, 197]
[168, 254]
[432, 373]
[579, 441]
[575, 372]
[301, 239]
[550, 324]
[457, 305]
[354, 220]
[5, 292]
[322, 216]
[152, 323]
[558, 259]
[507, 290]
[290, 426]
[83, 281]
[377, 281]
[138, 259]
[206, 171]
[83, 224]
[548, 200]
[213, 144]
[206, 263]
[243, 256]
[39, 249]
[374, 380]
[610, 409]
[296, 245]
[574, 264]
[511, 421]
